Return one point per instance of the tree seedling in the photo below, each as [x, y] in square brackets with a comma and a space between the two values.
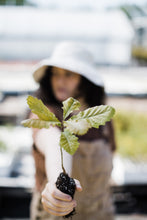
[77, 124]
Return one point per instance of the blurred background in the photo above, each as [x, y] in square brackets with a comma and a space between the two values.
[116, 33]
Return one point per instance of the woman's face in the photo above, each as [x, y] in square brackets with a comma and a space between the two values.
[64, 83]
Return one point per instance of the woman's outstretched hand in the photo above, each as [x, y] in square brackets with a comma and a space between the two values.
[56, 202]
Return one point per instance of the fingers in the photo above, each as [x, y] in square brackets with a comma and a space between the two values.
[53, 206]
[56, 202]
[78, 185]
[56, 193]
[57, 213]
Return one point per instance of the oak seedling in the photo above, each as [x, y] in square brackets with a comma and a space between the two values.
[77, 124]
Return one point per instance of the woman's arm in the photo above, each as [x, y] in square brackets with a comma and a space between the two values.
[47, 141]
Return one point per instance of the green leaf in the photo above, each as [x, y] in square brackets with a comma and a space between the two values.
[69, 142]
[77, 127]
[38, 123]
[95, 116]
[38, 108]
[69, 105]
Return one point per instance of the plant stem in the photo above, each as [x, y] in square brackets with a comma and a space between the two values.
[62, 128]
[62, 159]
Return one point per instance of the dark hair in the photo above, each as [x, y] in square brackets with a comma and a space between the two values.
[94, 95]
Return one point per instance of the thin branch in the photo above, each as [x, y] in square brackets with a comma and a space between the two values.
[62, 128]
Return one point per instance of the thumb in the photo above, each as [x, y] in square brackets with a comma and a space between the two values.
[78, 185]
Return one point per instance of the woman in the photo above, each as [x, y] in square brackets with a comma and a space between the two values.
[70, 72]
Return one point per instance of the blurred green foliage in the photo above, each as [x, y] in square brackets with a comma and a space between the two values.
[12, 2]
[131, 134]
[139, 52]
[3, 146]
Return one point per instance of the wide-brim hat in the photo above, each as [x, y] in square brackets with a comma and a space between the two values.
[71, 56]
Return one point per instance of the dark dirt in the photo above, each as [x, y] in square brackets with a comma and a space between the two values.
[66, 185]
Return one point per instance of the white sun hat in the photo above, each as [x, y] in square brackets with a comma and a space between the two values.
[71, 56]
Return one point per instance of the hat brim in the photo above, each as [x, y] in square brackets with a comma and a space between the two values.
[86, 70]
